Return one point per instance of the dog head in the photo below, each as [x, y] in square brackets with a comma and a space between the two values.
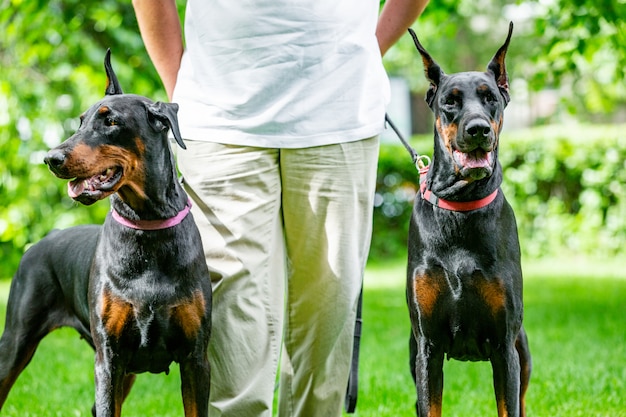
[468, 108]
[119, 139]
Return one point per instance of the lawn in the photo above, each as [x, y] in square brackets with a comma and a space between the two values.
[575, 317]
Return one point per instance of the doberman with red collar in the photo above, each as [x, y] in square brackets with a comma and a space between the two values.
[464, 275]
[137, 288]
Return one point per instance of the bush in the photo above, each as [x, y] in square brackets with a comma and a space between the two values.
[568, 188]
[567, 185]
[396, 186]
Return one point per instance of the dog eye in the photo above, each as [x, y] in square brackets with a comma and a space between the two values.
[490, 98]
[109, 121]
[451, 100]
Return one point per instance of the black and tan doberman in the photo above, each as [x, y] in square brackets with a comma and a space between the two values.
[464, 279]
[137, 288]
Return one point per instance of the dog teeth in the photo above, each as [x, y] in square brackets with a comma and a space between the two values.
[106, 174]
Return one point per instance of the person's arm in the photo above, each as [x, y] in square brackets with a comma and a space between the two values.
[394, 20]
[160, 29]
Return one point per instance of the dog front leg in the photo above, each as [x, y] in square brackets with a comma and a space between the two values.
[110, 387]
[428, 378]
[195, 385]
[506, 380]
[521, 345]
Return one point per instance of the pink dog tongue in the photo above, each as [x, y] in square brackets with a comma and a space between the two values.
[473, 160]
[75, 188]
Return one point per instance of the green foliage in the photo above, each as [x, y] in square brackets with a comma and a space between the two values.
[577, 46]
[448, 31]
[51, 56]
[568, 188]
[396, 185]
[567, 185]
[582, 48]
[52, 62]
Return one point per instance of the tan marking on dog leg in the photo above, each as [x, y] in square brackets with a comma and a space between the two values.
[189, 404]
[435, 408]
[502, 408]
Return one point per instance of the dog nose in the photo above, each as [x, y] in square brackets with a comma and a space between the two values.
[478, 129]
[55, 159]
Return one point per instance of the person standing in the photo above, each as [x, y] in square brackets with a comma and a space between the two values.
[281, 104]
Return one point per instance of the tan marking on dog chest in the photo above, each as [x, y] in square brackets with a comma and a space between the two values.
[188, 315]
[115, 313]
[493, 293]
[427, 291]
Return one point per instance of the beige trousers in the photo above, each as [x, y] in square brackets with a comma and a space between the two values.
[286, 234]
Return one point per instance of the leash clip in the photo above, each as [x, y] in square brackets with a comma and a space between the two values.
[422, 162]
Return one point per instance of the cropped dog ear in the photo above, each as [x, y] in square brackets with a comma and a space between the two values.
[497, 67]
[113, 86]
[432, 70]
[166, 114]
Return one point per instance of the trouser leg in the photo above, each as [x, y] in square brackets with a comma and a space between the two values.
[327, 208]
[237, 206]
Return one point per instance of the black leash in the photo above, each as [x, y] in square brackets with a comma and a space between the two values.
[414, 154]
[420, 161]
[353, 380]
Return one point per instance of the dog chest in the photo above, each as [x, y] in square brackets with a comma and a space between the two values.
[463, 311]
[151, 334]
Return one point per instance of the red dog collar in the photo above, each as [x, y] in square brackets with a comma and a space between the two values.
[452, 205]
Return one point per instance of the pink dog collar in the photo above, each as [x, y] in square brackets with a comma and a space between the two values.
[153, 224]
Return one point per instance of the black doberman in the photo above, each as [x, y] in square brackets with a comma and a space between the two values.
[137, 288]
[464, 279]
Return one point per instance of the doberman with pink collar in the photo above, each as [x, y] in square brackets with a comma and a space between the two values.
[137, 288]
[464, 275]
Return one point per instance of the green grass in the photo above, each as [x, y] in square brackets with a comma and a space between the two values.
[575, 317]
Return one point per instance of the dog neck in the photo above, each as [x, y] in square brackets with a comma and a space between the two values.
[429, 196]
[152, 224]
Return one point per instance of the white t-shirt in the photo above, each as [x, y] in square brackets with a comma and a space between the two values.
[281, 73]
